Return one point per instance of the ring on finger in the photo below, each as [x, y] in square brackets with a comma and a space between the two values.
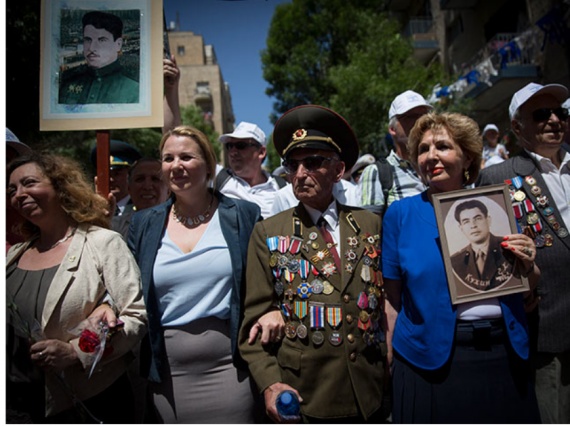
[527, 251]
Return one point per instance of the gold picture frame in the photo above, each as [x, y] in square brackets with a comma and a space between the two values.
[63, 104]
[471, 225]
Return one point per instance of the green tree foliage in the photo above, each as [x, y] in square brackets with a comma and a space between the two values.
[348, 56]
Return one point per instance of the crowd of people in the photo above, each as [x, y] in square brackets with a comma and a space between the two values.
[226, 286]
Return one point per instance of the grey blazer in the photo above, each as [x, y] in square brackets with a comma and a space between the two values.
[550, 329]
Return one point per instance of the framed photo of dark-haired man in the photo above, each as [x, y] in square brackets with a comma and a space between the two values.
[101, 64]
[472, 224]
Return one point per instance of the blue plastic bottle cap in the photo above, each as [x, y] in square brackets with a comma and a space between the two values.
[286, 398]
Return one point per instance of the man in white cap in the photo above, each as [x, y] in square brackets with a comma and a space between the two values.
[493, 151]
[244, 178]
[539, 179]
[405, 110]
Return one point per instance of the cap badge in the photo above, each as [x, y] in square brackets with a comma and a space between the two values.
[299, 135]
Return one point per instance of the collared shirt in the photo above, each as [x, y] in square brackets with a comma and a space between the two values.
[406, 182]
[558, 182]
[122, 203]
[331, 217]
[262, 194]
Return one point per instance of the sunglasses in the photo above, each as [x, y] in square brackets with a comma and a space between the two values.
[311, 164]
[543, 114]
[240, 146]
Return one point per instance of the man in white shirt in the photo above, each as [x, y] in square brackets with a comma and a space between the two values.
[404, 111]
[539, 179]
[245, 178]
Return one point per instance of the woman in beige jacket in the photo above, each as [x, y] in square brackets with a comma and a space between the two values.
[55, 280]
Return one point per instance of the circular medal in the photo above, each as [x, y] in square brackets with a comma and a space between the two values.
[335, 338]
[282, 261]
[302, 331]
[317, 286]
[315, 245]
[535, 190]
[539, 241]
[364, 316]
[372, 301]
[532, 218]
[562, 232]
[290, 330]
[328, 288]
[370, 239]
[548, 240]
[273, 260]
[293, 266]
[313, 236]
[318, 338]
[519, 196]
[549, 211]
[530, 180]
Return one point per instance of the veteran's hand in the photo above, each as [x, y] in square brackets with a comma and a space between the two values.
[53, 354]
[271, 326]
[270, 394]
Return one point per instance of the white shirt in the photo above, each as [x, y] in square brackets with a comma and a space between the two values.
[262, 194]
[344, 192]
[331, 217]
[558, 182]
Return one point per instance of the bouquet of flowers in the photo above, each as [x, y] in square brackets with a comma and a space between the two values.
[93, 338]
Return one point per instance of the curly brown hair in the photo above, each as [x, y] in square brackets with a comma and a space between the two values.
[76, 195]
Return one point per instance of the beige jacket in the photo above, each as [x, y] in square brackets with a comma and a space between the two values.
[98, 262]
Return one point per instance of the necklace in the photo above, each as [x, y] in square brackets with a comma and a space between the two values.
[64, 239]
[196, 220]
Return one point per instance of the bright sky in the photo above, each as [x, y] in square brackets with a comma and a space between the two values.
[238, 31]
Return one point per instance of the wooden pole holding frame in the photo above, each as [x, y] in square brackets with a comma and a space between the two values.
[103, 155]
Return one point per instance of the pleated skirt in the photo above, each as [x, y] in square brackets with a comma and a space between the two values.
[204, 385]
[484, 382]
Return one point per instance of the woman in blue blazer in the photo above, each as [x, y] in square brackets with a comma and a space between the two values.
[463, 363]
[192, 253]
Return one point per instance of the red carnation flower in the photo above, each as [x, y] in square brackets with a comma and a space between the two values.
[89, 341]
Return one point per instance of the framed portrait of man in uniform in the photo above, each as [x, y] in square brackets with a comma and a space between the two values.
[101, 64]
[472, 224]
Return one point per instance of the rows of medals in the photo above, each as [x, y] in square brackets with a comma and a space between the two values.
[286, 263]
[523, 206]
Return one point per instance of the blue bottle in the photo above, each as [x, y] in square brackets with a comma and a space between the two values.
[288, 406]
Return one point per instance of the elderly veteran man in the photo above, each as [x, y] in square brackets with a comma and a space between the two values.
[318, 264]
[539, 179]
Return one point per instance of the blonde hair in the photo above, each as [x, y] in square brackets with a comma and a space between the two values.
[75, 192]
[202, 141]
[464, 131]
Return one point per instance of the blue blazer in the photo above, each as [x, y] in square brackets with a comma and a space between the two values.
[237, 219]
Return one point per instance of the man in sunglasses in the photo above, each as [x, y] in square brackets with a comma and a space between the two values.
[539, 181]
[244, 178]
[317, 264]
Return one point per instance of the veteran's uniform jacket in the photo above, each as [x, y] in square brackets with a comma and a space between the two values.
[538, 215]
[337, 362]
[106, 85]
[496, 270]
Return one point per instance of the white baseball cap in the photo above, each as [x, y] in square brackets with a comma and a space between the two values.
[245, 130]
[13, 141]
[532, 89]
[566, 104]
[490, 127]
[405, 102]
